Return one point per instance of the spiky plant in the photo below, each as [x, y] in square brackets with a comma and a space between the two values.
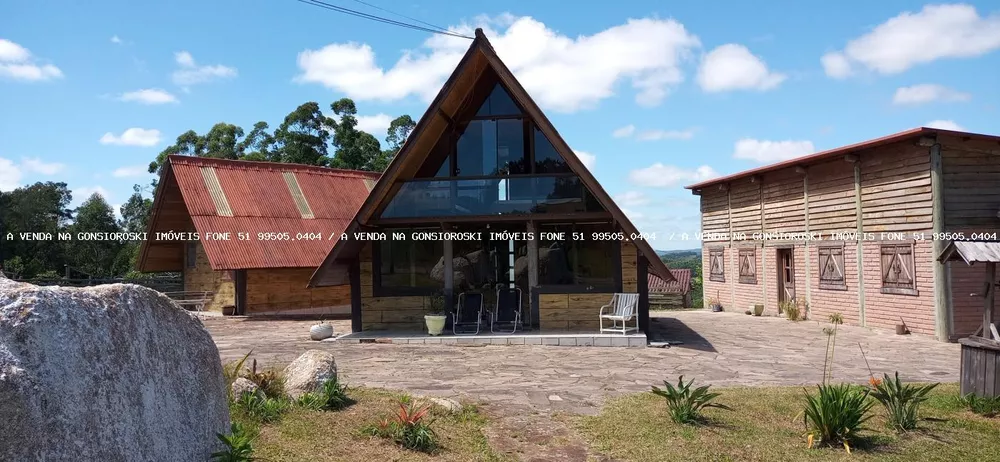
[836, 414]
[685, 405]
[901, 401]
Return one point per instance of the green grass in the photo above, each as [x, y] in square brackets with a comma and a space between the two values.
[309, 435]
[766, 425]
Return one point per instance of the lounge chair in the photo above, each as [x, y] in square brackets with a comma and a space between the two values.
[507, 311]
[468, 314]
[623, 308]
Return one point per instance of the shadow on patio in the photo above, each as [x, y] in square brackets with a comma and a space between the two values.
[670, 330]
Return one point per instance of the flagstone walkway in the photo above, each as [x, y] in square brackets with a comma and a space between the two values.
[717, 348]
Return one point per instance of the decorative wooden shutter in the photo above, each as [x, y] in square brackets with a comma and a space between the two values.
[748, 266]
[897, 269]
[717, 265]
[831, 268]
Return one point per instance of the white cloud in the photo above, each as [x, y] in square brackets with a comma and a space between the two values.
[130, 171]
[632, 214]
[945, 125]
[375, 124]
[771, 151]
[148, 96]
[926, 93]
[10, 175]
[653, 135]
[133, 137]
[588, 159]
[115, 39]
[665, 176]
[36, 165]
[632, 198]
[909, 39]
[562, 73]
[733, 67]
[17, 63]
[624, 132]
[190, 73]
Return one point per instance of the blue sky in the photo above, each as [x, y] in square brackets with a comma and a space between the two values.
[653, 96]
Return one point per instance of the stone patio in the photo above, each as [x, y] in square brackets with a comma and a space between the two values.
[714, 348]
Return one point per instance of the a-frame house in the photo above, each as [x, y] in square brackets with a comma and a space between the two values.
[486, 164]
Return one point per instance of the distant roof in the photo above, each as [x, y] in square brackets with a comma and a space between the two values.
[257, 197]
[972, 252]
[681, 284]
[812, 158]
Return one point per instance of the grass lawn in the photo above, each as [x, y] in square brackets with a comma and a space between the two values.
[303, 435]
[766, 425]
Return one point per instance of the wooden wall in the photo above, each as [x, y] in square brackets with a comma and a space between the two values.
[285, 291]
[387, 313]
[202, 278]
[895, 196]
[971, 174]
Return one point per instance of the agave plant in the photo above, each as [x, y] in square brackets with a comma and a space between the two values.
[412, 431]
[684, 404]
[836, 414]
[901, 401]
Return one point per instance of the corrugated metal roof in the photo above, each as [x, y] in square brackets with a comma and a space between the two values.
[260, 201]
[843, 150]
[680, 285]
[972, 252]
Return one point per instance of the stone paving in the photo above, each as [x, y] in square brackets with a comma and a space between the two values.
[716, 348]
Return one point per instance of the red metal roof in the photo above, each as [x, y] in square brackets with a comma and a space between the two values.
[843, 150]
[681, 284]
[261, 202]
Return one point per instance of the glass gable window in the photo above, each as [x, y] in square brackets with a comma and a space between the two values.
[547, 160]
[499, 103]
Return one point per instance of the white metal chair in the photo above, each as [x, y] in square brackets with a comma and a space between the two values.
[623, 308]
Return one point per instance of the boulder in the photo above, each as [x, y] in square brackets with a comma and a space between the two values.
[309, 372]
[243, 385]
[115, 372]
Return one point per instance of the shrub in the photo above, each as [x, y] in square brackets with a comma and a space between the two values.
[260, 408]
[270, 382]
[239, 445]
[684, 404]
[408, 429]
[331, 397]
[986, 407]
[900, 401]
[791, 310]
[836, 414]
[231, 372]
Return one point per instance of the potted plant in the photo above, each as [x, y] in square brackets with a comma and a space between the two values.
[715, 304]
[321, 331]
[435, 317]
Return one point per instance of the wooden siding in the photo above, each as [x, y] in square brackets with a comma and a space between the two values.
[784, 210]
[714, 211]
[283, 290]
[202, 278]
[630, 268]
[387, 313]
[745, 203]
[831, 198]
[971, 186]
[896, 189]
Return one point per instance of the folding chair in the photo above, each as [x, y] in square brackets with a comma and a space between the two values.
[468, 313]
[507, 311]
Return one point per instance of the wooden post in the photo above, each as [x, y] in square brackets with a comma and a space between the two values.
[354, 275]
[805, 207]
[449, 270]
[763, 254]
[533, 272]
[991, 275]
[859, 248]
[240, 284]
[942, 284]
[729, 263]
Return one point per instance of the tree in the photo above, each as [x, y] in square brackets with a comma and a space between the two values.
[257, 144]
[303, 137]
[399, 130]
[38, 208]
[95, 257]
[356, 150]
[135, 214]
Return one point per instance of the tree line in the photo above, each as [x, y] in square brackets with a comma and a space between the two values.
[305, 136]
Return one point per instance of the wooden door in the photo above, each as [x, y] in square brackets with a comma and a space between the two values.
[786, 275]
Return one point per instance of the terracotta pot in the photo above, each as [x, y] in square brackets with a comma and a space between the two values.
[228, 310]
[901, 329]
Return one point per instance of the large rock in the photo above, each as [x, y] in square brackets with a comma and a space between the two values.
[112, 373]
[309, 372]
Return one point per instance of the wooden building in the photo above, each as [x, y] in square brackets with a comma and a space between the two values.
[485, 159]
[857, 230]
[670, 295]
[262, 228]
